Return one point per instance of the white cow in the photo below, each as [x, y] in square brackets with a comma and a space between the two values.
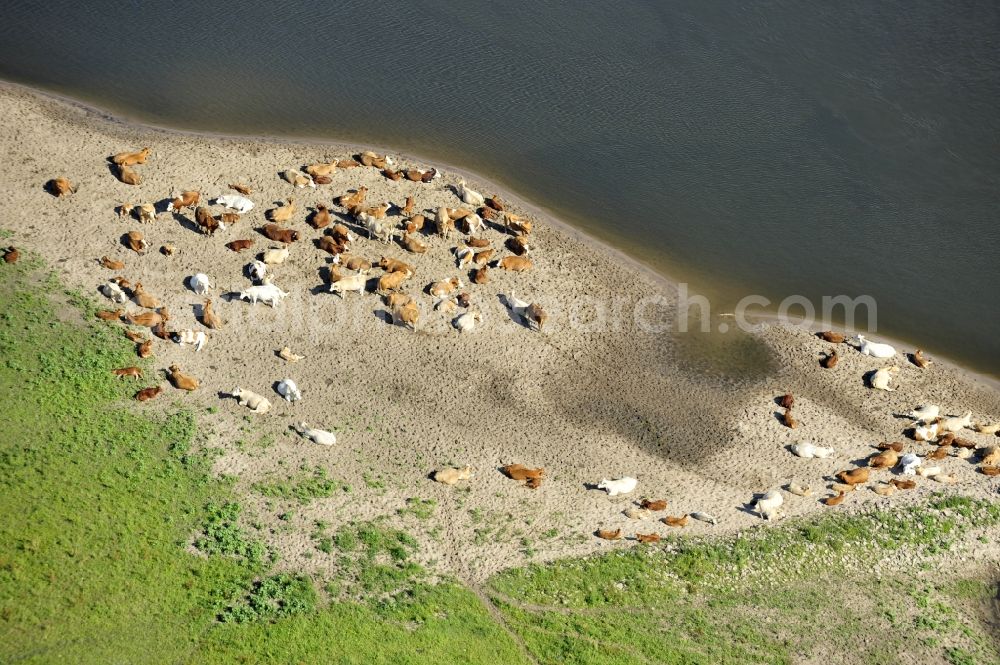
[475, 223]
[350, 283]
[240, 204]
[275, 255]
[874, 349]
[257, 270]
[289, 390]
[248, 398]
[620, 486]
[191, 337]
[808, 450]
[767, 506]
[955, 424]
[925, 413]
[910, 463]
[378, 229]
[200, 283]
[469, 196]
[114, 292]
[269, 294]
[880, 379]
[320, 436]
[467, 322]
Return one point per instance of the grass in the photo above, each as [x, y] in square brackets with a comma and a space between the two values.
[272, 598]
[302, 488]
[373, 482]
[422, 509]
[378, 560]
[436, 624]
[769, 595]
[98, 502]
[117, 543]
[222, 535]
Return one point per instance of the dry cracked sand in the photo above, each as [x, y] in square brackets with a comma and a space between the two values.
[596, 395]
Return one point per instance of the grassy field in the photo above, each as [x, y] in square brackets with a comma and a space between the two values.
[117, 545]
[813, 587]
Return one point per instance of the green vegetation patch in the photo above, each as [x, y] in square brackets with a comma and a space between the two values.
[773, 595]
[432, 625]
[302, 488]
[274, 598]
[422, 509]
[98, 502]
[378, 559]
[222, 535]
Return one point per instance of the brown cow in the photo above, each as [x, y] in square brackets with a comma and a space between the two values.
[59, 187]
[321, 169]
[415, 223]
[127, 175]
[131, 158]
[514, 263]
[278, 234]
[143, 298]
[240, 245]
[521, 472]
[831, 336]
[394, 265]
[412, 245]
[209, 317]
[321, 218]
[518, 245]
[356, 263]
[180, 380]
[340, 233]
[391, 281]
[478, 243]
[148, 393]
[329, 244]
[206, 223]
[282, 213]
[353, 200]
[112, 265]
[136, 242]
[146, 319]
[184, 200]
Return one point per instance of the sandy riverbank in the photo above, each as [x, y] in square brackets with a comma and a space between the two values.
[593, 396]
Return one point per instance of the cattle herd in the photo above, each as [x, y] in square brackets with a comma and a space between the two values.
[929, 438]
[475, 216]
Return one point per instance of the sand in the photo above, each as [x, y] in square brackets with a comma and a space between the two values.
[593, 396]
